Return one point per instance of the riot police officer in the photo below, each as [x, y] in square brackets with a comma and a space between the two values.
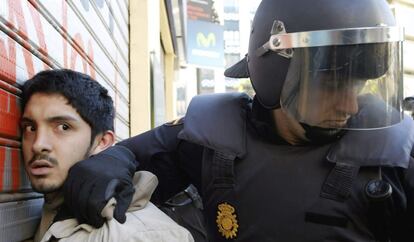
[321, 153]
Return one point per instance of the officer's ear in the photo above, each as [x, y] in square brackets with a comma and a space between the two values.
[102, 142]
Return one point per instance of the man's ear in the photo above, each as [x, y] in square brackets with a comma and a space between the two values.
[102, 142]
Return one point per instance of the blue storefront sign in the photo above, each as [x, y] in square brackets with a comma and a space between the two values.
[205, 46]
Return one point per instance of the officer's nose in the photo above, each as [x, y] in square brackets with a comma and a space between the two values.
[42, 142]
[346, 101]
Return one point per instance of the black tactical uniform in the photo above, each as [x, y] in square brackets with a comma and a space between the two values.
[333, 71]
[276, 191]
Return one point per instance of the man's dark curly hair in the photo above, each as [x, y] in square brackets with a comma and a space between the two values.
[84, 94]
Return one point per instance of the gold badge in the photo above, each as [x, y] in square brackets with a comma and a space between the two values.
[226, 221]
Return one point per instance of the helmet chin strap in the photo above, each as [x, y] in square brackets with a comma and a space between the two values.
[318, 135]
[315, 134]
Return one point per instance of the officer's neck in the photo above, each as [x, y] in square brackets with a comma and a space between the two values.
[288, 128]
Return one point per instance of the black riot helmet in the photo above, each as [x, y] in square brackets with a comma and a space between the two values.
[298, 47]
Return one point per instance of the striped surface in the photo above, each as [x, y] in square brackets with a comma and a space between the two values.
[84, 35]
[18, 220]
[88, 36]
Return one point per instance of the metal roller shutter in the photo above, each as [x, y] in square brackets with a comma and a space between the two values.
[87, 36]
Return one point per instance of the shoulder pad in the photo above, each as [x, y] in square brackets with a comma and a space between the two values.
[382, 147]
[218, 121]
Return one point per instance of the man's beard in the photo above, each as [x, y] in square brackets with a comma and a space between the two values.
[46, 187]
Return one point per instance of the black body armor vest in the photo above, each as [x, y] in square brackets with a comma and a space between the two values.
[254, 190]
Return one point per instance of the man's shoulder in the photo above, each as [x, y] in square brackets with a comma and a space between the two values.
[150, 223]
[218, 122]
[147, 224]
[151, 218]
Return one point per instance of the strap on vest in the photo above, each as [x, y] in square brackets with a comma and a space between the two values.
[224, 184]
[223, 169]
[218, 123]
[380, 209]
[338, 184]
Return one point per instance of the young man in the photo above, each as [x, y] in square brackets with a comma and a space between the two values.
[67, 117]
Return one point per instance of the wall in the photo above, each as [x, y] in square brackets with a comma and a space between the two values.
[153, 64]
[87, 36]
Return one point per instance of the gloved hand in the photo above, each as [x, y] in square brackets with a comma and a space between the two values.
[91, 183]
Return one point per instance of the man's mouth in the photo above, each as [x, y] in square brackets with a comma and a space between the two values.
[40, 167]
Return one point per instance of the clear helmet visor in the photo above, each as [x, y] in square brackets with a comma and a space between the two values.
[345, 86]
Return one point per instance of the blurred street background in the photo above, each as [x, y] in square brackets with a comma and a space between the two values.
[207, 37]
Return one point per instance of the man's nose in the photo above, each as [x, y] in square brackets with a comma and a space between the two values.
[42, 142]
[347, 101]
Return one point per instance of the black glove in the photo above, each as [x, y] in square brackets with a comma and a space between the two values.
[91, 183]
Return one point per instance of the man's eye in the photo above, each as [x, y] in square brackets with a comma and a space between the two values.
[29, 128]
[64, 127]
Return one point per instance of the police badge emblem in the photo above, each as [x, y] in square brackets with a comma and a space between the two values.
[226, 221]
